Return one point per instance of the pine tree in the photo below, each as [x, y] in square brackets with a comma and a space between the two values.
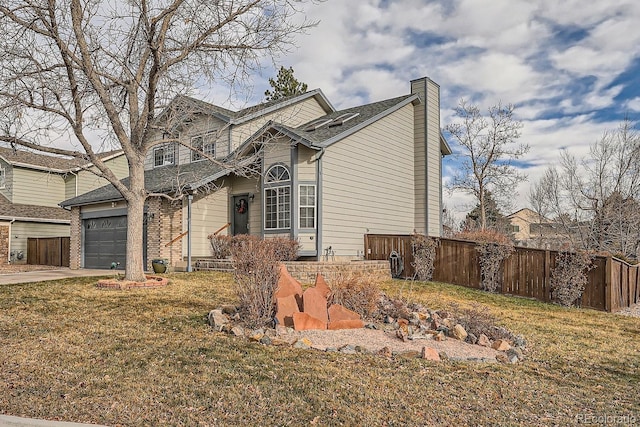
[284, 85]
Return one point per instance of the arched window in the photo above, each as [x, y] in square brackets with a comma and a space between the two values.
[277, 198]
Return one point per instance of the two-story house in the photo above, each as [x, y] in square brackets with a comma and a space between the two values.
[31, 187]
[295, 167]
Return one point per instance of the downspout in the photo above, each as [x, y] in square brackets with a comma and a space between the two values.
[319, 204]
[189, 200]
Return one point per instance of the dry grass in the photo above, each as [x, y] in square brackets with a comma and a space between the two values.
[73, 352]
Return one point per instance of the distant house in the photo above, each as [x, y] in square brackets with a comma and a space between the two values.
[31, 187]
[321, 176]
[528, 228]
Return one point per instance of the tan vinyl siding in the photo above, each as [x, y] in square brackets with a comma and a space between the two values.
[37, 187]
[20, 231]
[87, 181]
[293, 116]
[367, 184]
[103, 206]
[208, 214]
[306, 164]
[277, 152]
[239, 185]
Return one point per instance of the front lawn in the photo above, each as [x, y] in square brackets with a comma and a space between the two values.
[73, 352]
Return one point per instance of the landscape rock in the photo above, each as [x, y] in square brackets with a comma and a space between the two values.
[458, 332]
[217, 319]
[471, 338]
[229, 310]
[266, 340]
[288, 285]
[501, 345]
[238, 331]
[256, 335]
[338, 312]
[315, 304]
[389, 319]
[285, 308]
[303, 343]
[440, 336]
[515, 351]
[345, 324]
[304, 322]
[347, 349]
[322, 286]
[484, 341]
[430, 354]
[384, 352]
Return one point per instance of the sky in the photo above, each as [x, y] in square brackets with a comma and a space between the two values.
[571, 68]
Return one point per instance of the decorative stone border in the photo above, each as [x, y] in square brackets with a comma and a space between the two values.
[152, 282]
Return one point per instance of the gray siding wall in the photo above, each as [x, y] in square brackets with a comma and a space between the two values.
[367, 184]
[37, 187]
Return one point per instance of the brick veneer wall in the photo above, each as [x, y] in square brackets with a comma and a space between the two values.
[75, 244]
[4, 244]
[162, 227]
[306, 271]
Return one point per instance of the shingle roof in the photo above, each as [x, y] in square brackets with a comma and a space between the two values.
[45, 161]
[164, 179]
[20, 211]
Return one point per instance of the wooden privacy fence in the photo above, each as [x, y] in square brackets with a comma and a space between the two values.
[48, 251]
[612, 285]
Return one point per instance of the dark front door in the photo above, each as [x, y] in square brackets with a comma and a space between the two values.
[241, 214]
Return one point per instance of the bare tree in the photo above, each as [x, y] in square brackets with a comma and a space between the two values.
[488, 147]
[74, 69]
[597, 197]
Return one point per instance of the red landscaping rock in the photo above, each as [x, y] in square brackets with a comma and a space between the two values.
[304, 322]
[315, 305]
[338, 312]
[288, 285]
[345, 324]
[285, 308]
[322, 286]
[501, 345]
[430, 354]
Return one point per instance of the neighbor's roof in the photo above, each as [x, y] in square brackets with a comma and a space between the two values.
[164, 179]
[32, 213]
[34, 160]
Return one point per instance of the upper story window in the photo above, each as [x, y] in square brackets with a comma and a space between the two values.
[164, 155]
[3, 178]
[203, 144]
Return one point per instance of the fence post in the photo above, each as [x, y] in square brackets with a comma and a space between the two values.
[607, 284]
[547, 275]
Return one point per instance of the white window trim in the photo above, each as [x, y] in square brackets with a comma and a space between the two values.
[314, 206]
[3, 178]
[276, 187]
[208, 152]
[166, 148]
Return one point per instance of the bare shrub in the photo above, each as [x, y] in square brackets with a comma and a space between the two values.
[256, 274]
[424, 255]
[493, 248]
[355, 292]
[569, 277]
[220, 245]
[477, 319]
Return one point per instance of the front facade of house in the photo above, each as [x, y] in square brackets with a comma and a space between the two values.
[31, 187]
[321, 176]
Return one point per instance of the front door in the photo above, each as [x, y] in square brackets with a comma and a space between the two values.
[241, 214]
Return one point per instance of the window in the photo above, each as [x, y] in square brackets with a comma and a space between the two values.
[205, 144]
[307, 200]
[277, 198]
[515, 228]
[164, 155]
[3, 178]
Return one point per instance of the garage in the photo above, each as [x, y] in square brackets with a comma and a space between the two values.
[105, 241]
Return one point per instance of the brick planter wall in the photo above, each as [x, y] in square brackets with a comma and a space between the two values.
[4, 244]
[75, 243]
[306, 271]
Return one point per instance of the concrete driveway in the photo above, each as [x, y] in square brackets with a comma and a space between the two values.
[44, 275]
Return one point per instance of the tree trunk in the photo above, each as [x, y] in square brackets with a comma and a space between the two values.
[135, 229]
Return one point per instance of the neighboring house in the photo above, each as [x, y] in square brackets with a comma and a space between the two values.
[31, 187]
[321, 176]
[528, 228]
